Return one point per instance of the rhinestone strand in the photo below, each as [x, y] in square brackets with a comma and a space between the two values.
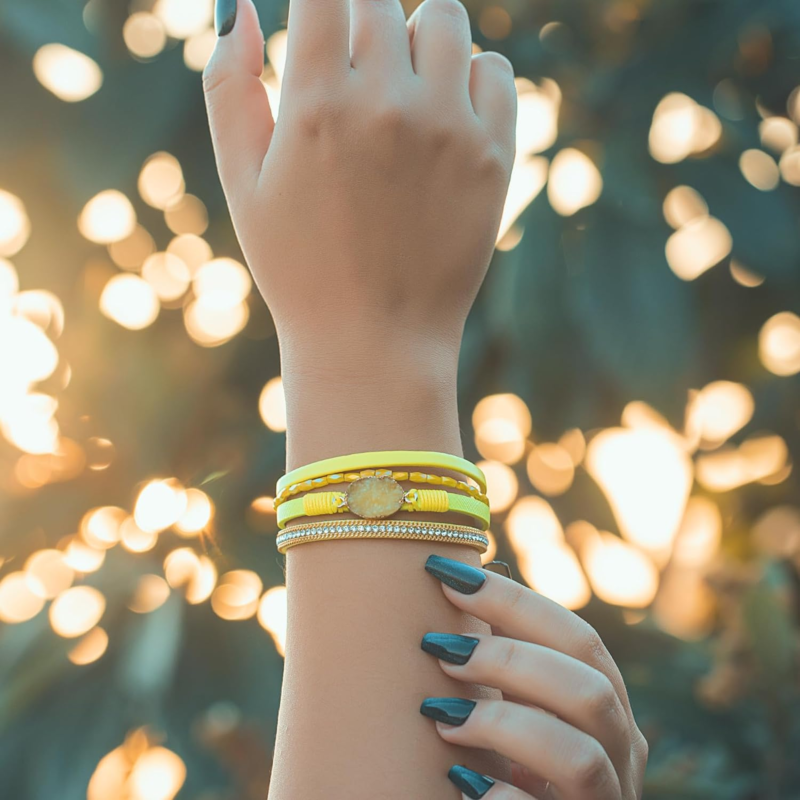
[367, 529]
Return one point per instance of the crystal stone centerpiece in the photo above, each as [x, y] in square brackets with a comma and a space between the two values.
[374, 498]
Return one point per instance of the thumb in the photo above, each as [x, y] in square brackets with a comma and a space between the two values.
[238, 109]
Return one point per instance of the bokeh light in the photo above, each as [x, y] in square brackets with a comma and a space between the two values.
[237, 594]
[69, 74]
[15, 226]
[90, 648]
[152, 591]
[161, 180]
[76, 611]
[272, 405]
[108, 217]
[574, 182]
[647, 476]
[502, 484]
[144, 35]
[272, 615]
[779, 344]
[698, 246]
[21, 597]
[680, 128]
[160, 503]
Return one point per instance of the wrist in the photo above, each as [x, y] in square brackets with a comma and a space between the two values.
[373, 395]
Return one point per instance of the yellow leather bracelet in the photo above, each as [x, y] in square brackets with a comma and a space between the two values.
[437, 501]
[382, 459]
[348, 477]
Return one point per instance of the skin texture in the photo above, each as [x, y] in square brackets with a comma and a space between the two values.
[368, 216]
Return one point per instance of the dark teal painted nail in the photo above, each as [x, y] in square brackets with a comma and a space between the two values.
[473, 784]
[499, 568]
[225, 16]
[462, 577]
[452, 710]
[451, 647]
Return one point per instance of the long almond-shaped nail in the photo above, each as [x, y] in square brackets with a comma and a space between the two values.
[462, 577]
[473, 784]
[451, 647]
[451, 710]
[225, 16]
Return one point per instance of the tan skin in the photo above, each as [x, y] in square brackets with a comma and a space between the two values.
[368, 216]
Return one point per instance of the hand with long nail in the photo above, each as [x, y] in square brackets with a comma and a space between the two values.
[564, 720]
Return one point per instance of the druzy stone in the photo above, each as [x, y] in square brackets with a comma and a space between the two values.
[374, 497]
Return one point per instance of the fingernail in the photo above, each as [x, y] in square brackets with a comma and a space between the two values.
[462, 577]
[499, 568]
[451, 647]
[450, 710]
[225, 16]
[473, 784]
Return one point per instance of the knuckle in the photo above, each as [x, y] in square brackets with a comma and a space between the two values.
[592, 648]
[441, 136]
[496, 714]
[495, 164]
[591, 768]
[314, 114]
[391, 115]
[213, 75]
[603, 704]
[641, 748]
[507, 656]
[515, 599]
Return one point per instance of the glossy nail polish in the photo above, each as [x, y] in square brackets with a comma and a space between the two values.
[225, 16]
[452, 710]
[473, 784]
[450, 647]
[499, 567]
[462, 577]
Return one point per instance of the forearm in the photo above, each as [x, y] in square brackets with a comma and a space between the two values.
[355, 675]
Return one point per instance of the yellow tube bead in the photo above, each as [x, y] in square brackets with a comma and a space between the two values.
[435, 480]
[417, 477]
[351, 476]
[400, 476]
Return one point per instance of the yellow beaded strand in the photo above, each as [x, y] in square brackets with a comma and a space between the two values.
[348, 477]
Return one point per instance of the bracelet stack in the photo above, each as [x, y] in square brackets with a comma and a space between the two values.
[374, 494]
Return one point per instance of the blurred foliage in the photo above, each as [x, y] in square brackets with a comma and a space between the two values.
[581, 317]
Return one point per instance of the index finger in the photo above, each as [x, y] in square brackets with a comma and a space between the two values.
[318, 40]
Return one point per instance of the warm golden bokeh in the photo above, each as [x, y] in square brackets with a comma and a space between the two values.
[76, 611]
[272, 405]
[69, 74]
[272, 615]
